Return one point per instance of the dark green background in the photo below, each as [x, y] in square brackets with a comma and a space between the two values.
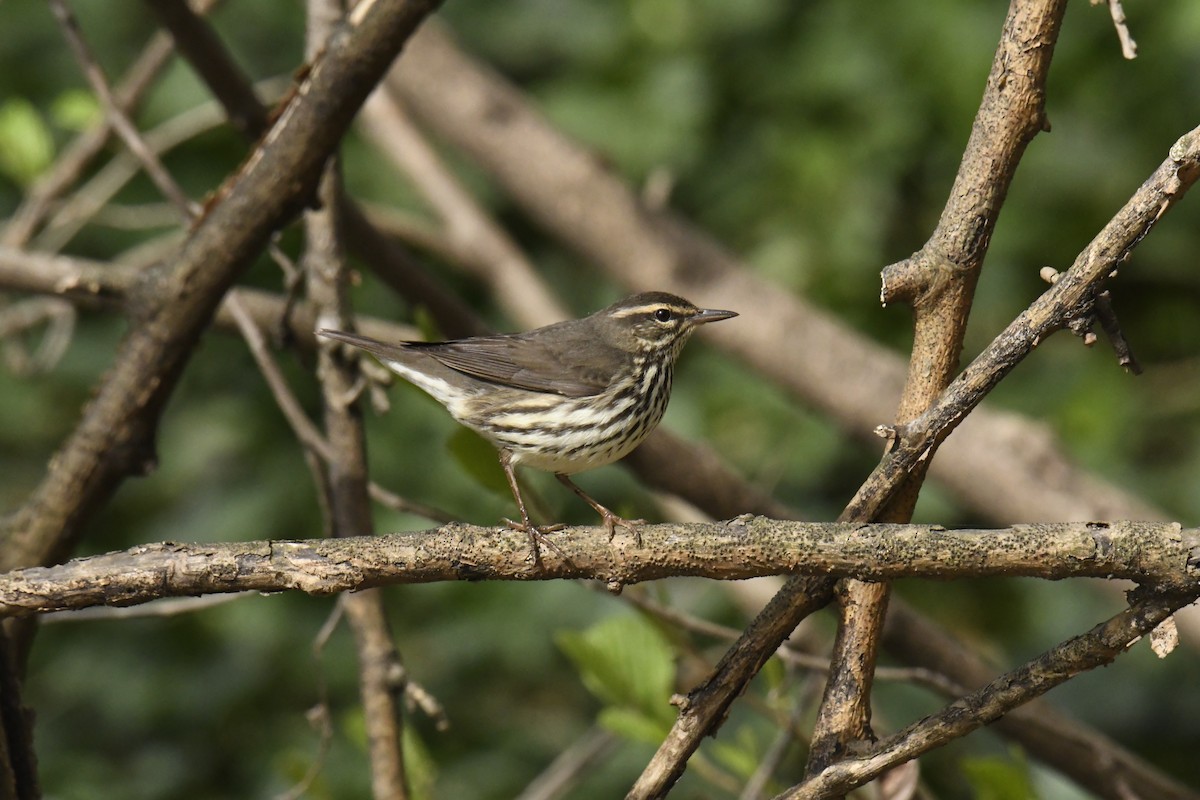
[818, 141]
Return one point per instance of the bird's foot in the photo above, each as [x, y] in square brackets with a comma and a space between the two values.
[611, 521]
[536, 535]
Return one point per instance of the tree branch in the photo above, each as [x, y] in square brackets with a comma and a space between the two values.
[344, 475]
[1087, 756]
[1097, 647]
[1162, 555]
[1069, 298]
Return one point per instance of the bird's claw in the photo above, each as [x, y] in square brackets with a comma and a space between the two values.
[611, 521]
[536, 535]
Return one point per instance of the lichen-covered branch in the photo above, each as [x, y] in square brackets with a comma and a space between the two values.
[1162, 555]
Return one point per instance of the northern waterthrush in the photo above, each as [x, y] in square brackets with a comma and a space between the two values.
[564, 398]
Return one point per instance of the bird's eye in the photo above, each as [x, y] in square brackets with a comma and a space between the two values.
[663, 315]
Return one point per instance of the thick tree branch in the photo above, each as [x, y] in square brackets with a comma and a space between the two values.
[1162, 555]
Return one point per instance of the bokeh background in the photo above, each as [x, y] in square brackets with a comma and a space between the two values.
[817, 140]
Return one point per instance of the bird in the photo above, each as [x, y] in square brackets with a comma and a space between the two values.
[563, 398]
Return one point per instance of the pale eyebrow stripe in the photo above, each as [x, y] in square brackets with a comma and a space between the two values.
[628, 312]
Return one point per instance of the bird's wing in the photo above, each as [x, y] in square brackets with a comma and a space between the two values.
[561, 361]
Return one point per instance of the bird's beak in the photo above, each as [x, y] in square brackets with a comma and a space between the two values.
[711, 315]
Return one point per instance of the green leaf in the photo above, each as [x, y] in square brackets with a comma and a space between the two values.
[419, 764]
[633, 725]
[773, 674]
[741, 755]
[477, 456]
[628, 664]
[75, 110]
[999, 778]
[26, 148]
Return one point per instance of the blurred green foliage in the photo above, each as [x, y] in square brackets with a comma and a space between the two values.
[816, 139]
[629, 666]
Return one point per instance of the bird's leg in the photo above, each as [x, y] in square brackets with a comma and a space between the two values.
[611, 520]
[535, 534]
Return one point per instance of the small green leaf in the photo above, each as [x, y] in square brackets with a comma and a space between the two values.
[26, 148]
[419, 765]
[773, 673]
[999, 778]
[477, 456]
[741, 755]
[628, 664]
[75, 110]
[633, 725]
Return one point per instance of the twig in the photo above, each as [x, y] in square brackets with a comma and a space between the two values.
[402, 504]
[384, 724]
[1102, 311]
[319, 717]
[417, 696]
[59, 318]
[285, 399]
[564, 772]
[167, 607]
[97, 191]
[774, 755]
[788, 652]
[86, 146]
[116, 115]
[480, 243]
[1107, 318]
[1093, 760]
[204, 51]
[1117, 11]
